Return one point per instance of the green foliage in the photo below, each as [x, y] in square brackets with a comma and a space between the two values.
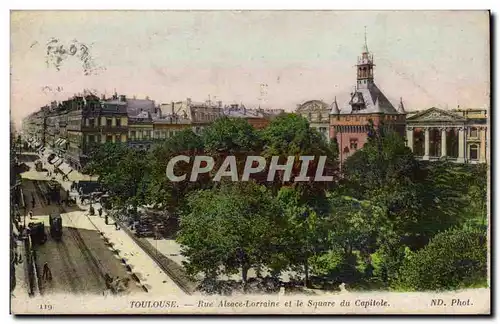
[369, 228]
[304, 234]
[122, 171]
[230, 136]
[229, 228]
[161, 192]
[453, 259]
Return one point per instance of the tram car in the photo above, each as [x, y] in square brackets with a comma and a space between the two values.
[56, 228]
[54, 190]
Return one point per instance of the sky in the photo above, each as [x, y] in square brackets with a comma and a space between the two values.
[429, 58]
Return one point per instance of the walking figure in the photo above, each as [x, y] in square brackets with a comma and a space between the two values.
[31, 214]
[116, 226]
[100, 211]
[46, 273]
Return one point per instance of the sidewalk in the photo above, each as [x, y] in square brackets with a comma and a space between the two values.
[149, 273]
[22, 287]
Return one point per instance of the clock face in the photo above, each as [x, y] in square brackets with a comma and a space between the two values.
[355, 99]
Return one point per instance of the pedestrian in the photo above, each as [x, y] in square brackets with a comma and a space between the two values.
[100, 211]
[46, 273]
[116, 226]
[31, 214]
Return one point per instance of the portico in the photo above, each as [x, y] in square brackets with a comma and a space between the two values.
[437, 134]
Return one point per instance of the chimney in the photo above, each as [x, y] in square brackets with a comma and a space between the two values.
[123, 98]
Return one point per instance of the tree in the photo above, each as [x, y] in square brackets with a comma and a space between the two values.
[123, 172]
[230, 136]
[304, 234]
[290, 135]
[453, 259]
[229, 228]
[161, 191]
[104, 158]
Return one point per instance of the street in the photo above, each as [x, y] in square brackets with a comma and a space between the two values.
[81, 261]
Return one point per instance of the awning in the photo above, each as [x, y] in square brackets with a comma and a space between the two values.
[65, 168]
[63, 141]
[59, 140]
[58, 163]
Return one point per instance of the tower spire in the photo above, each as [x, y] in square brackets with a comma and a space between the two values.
[365, 46]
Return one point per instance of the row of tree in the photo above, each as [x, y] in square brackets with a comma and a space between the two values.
[386, 221]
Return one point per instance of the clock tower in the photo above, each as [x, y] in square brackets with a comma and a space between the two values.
[349, 125]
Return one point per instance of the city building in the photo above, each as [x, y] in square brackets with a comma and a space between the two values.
[140, 114]
[367, 103]
[317, 113]
[167, 126]
[201, 114]
[258, 118]
[458, 135]
[33, 127]
[91, 121]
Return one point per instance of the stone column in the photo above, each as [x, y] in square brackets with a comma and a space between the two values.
[461, 145]
[482, 149]
[409, 137]
[427, 143]
[443, 142]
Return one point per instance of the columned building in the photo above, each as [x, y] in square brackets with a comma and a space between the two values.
[455, 135]
[317, 113]
[367, 103]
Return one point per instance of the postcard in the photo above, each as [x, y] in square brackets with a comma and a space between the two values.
[250, 162]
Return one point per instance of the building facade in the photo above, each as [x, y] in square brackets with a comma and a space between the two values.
[167, 126]
[317, 113]
[367, 103]
[459, 135]
[91, 121]
[201, 114]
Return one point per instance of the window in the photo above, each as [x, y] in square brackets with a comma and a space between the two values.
[118, 138]
[109, 122]
[132, 135]
[118, 122]
[91, 139]
[473, 132]
[473, 152]
[353, 143]
[91, 122]
[109, 138]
